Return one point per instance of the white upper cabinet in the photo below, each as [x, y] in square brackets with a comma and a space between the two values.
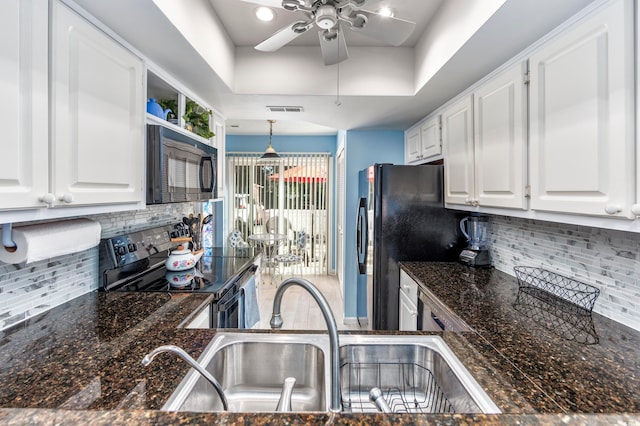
[97, 137]
[500, 142]
[423, 141]
[23, 110]
[412, 145]
[430, 138]
[582, 128]
[457, 138]
[219, 141]
[484, 136]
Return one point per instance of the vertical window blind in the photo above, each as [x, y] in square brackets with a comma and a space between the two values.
[287, 196]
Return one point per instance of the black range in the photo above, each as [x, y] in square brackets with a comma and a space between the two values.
[134, 262]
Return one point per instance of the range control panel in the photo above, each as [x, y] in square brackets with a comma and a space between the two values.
[129, 248]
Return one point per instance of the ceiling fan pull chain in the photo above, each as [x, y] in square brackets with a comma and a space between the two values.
[338, 103]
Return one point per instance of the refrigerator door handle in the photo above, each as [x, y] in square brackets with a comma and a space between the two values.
[361, 236]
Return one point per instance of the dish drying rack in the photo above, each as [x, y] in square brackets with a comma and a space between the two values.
[406, 388]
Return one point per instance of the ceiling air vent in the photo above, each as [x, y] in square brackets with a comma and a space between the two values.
[285, 108]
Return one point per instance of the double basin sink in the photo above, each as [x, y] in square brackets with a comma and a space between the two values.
[414, 374]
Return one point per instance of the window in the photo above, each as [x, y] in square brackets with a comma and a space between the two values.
[284, 197]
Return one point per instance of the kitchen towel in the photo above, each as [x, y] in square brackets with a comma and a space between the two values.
[47, 240]
[250, 309]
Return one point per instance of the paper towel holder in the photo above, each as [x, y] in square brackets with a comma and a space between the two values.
[7, 238]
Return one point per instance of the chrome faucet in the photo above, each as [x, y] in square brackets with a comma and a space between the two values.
[284, 403]
[276, 322]
[193, 363]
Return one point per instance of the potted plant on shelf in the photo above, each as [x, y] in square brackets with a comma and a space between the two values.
[197, 118]
[171, 104]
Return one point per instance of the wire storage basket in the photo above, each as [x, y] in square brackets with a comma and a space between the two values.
[554, 285]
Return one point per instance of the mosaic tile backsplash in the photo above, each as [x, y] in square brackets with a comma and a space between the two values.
[28, 290]
[607, 259]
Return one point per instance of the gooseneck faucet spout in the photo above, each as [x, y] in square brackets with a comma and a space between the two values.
[276, 322]
[193, 363]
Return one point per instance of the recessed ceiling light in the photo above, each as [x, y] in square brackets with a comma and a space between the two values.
[385, 11]
[265, 14]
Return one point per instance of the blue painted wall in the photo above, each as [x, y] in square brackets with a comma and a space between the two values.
[363, 148]
[258, 143]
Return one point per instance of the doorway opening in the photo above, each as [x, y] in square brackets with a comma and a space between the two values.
[288, 196]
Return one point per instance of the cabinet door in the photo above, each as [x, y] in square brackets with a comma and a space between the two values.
[582, 117]
[98, 127]
[219, 142]
[409, 286]
[24, 109]
[412, 145]
[431, 143]
[500, 139]
[408, 314]
[457, 138]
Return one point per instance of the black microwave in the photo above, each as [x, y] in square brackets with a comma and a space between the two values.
[179, 168]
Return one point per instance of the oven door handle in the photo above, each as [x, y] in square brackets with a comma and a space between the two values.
[224, 305]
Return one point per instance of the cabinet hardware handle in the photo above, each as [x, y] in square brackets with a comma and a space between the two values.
[47, 198]
[613, 208]
[635, 209]
[66, 198]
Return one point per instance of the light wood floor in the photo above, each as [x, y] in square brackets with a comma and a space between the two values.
[299, 310]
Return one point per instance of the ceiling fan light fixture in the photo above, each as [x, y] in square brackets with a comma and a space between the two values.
[386, 11]
[265, 14]
[326, 17]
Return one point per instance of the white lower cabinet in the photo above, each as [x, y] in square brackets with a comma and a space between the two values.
[408, 314]
[582, 121]
[408, 303]
[97, 136]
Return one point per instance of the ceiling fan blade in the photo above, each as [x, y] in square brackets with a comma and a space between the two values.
[282, 37]
[394, 31]
[276, 4]
[334, 50]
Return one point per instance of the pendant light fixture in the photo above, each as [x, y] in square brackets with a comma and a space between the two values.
[270, 153]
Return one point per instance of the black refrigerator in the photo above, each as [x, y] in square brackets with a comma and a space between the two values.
[401, 216]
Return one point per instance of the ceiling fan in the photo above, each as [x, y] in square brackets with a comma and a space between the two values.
[332, 17]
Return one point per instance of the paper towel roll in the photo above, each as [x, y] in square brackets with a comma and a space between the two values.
[48, 240]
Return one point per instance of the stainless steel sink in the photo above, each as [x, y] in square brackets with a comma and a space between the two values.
[251, 369]
[415, 373]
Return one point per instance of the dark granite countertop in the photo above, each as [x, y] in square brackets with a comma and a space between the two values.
[571, 363]
[81, 362]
